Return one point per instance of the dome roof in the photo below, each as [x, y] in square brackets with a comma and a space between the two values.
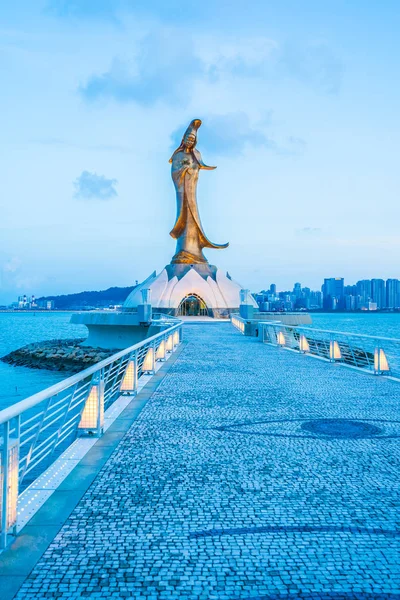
[176, 282]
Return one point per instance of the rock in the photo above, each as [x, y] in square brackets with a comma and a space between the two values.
[57, 355]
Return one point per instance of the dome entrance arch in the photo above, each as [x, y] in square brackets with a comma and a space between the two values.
[193, 306]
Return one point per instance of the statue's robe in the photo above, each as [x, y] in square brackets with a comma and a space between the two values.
[188, 230]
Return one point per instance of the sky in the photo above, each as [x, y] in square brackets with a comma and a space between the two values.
[300, 109]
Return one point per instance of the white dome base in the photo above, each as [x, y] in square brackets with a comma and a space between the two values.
[176, 282]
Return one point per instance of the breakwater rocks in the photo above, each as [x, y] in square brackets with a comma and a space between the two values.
[57, 355]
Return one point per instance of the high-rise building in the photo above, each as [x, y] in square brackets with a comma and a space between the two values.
[315, 300]
[297, 290]
[364, 289]
[350, 302]
[392, 293]
[378, 292]
[333, 293]
[350, 290]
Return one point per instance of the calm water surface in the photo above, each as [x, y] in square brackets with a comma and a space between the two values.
[380, 324]
[19, 329]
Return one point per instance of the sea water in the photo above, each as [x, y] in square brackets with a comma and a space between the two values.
[368, 323]
[19, 329]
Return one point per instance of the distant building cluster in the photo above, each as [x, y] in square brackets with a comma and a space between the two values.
[69, 302]
[366, 294]
[31, 303]
[297, 299]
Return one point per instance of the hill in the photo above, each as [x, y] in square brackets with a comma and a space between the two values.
[86, 300]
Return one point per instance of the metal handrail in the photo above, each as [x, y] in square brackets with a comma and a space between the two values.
[164, 317]
[380, 355]
[34, 431]
[19, 407]
[334, 332]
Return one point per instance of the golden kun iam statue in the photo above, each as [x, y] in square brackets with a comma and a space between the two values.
[188, 230]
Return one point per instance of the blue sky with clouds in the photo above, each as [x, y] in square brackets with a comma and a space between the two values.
[300, 108]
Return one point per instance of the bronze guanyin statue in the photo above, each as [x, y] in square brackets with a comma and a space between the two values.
[188, 230]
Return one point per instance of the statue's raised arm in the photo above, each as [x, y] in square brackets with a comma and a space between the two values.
[188, 230]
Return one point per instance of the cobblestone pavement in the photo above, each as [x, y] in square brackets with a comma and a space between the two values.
[236, 482]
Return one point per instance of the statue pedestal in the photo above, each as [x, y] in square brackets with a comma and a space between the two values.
[115, 329]
[176, 282]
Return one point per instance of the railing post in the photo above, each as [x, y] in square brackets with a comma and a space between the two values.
[265, 335]
[130, 378]
[9, 467]
[153, 369]
[92, 418]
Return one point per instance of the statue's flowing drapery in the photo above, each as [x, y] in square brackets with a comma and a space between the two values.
[188, 230]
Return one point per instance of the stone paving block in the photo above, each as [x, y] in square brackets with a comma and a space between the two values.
[252, 472]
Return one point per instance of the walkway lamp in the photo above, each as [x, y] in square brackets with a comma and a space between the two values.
[129, 380]
[149, 362]
[92, 418]
[334, 351]
[160, 354]
[280, 338]
[176, 337]
[304, 345]
[169, 346]
[381, 364]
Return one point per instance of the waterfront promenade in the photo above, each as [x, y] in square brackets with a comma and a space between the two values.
[234, 483]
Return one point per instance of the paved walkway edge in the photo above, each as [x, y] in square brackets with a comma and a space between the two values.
[17, 561]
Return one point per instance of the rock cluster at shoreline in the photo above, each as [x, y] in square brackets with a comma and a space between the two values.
[57, 355]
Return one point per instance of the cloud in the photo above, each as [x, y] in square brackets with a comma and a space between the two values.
[228, 134]
[165, 67]
[168, 63]
[61, 143]
[12, 265]
[85, 8]
[232, 133]
[296, 144]
[309, 230]
[90, 186]
[243, 57]
[315, 65]
[16, 276]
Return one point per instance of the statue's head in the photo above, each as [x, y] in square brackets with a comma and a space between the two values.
[189, 139]
[189, 142]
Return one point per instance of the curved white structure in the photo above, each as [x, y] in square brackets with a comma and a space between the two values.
[220, 293]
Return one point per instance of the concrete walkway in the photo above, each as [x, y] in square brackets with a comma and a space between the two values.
[235, 482]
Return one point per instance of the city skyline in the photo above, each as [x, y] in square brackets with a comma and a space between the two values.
[299, 109]
[365, 294]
